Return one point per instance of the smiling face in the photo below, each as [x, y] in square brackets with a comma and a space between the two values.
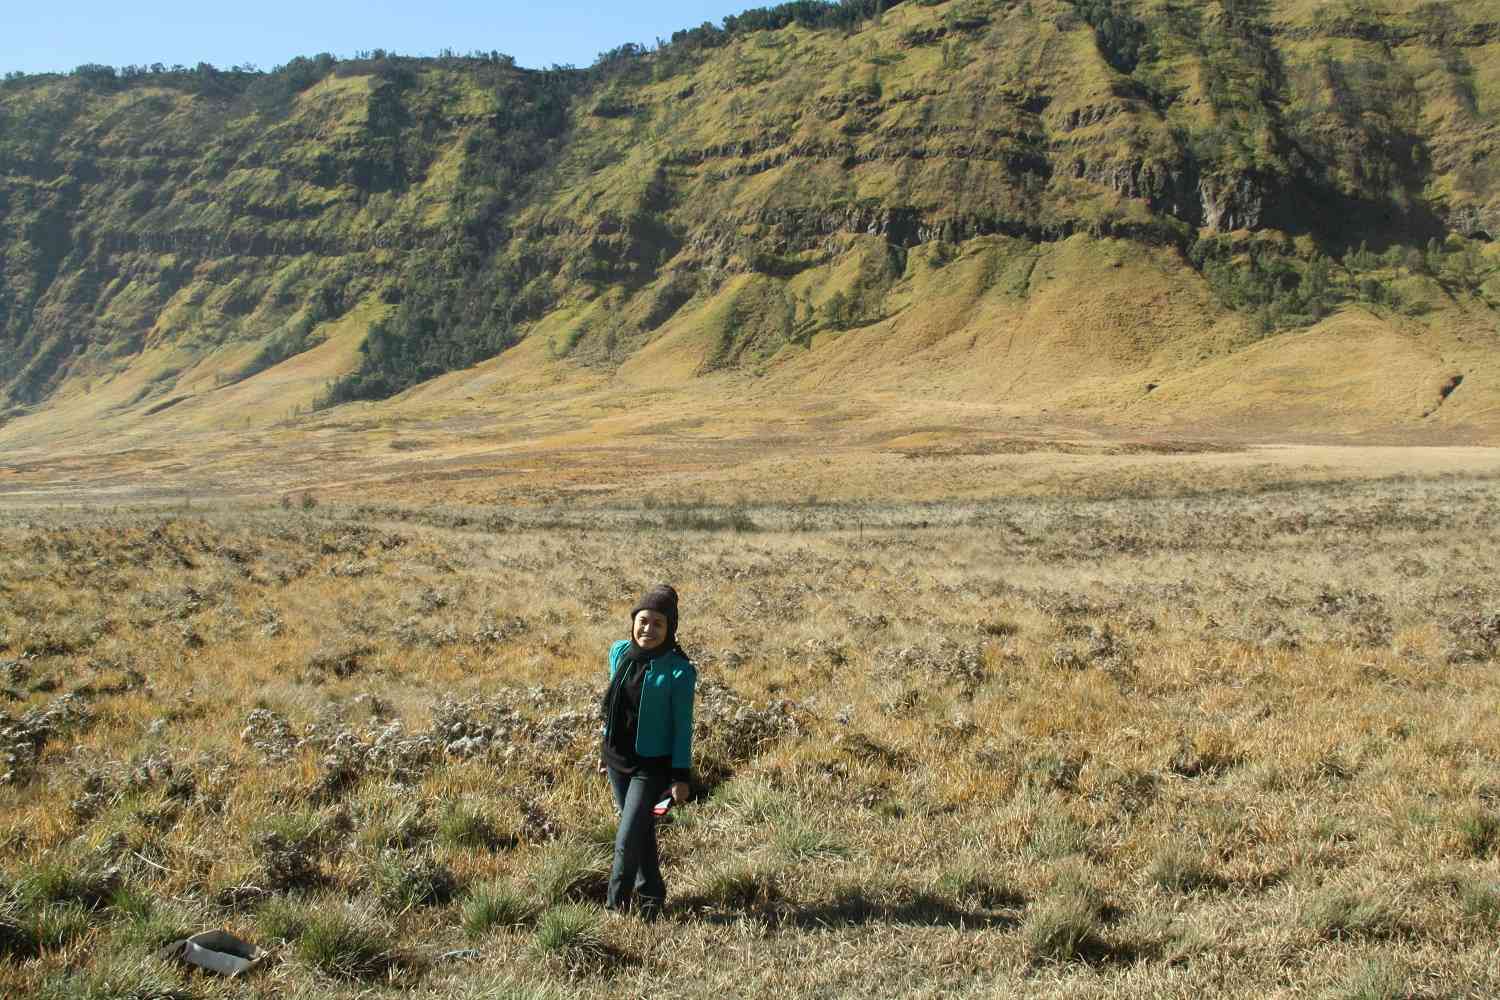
[649, 629]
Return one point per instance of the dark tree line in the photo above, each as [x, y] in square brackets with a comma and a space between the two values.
[296, 75]
[805, 13]
[1119, 35]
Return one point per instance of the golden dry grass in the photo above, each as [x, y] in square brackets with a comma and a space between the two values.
[1126, 745]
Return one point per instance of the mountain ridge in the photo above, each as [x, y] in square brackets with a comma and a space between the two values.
[757, 196]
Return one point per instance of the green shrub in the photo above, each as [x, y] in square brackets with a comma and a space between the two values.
[1057, 835]
[1480, 830]
[282, 919]
[1279, 290]
[1345, 913]
[130, 903]
[116, 978]
[465, 825]
[345, 942]
[1068, 924]
[1177, 870]
[28, 927]
[54, 925]
[1480, 899]
[394, 824]
[146, 925]
[969, 885]
[754, 801]
[801, 843]
[571, 870]
[601, 834]
[300, 826]
[494, 905]
[402, 882]
[1373, 979]
[571, 931]
[1118, 35]
[66, 881]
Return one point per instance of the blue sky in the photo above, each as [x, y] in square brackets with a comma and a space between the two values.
[40, 37]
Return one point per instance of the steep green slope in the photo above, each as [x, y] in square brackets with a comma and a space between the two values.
[740, 198]
[204, 214]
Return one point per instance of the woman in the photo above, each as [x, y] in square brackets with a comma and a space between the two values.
[648, 741]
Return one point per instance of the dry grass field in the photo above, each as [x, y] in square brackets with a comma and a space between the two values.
[1157, 740]
[1088, 602]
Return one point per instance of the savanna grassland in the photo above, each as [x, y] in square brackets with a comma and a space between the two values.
[1213, 744]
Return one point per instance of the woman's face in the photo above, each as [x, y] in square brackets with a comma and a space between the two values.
[649, 629]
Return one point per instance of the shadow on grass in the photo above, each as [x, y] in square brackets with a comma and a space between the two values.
[598, 960]
[1071, 926]
[848, 908]
[1097, 951]
[923, 909]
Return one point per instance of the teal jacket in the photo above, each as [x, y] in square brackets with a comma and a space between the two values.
[665, 725]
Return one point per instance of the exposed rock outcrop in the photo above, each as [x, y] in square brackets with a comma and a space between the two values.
[1231, 203]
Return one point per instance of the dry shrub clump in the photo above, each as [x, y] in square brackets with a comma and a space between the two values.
[1128, 745]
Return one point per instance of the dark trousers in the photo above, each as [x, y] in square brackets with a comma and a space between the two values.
[637, 869]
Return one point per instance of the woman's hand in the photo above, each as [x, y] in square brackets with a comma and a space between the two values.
[680, 792]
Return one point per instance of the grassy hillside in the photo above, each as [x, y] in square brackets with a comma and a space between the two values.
[1049, 205]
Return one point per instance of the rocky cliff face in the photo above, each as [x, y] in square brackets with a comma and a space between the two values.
[460, 202]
